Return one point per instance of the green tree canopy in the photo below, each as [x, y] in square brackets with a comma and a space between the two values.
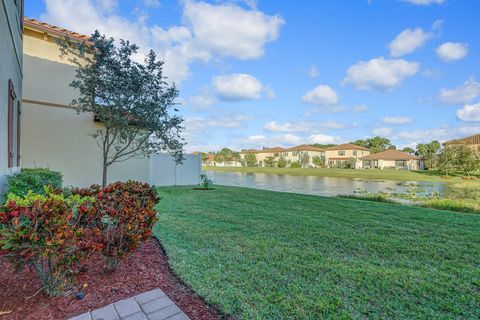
[375, 144]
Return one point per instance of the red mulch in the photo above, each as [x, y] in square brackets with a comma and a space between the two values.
[144, 270]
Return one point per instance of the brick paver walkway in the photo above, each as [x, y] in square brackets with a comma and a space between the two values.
[151, 305]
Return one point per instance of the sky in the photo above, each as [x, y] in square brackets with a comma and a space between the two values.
[265, 73]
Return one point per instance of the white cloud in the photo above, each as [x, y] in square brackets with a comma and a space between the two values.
[323, 139]
[202, 101]
[452, 51]
[397, 120]
[239, 86]
[208, 31]
[284, 140]
[303, 126]
[321, 95]
[229, 30]
[465, 93]
[408, 41]
[424, 2]
[442, 133]
[313, 72]
[360, 108]
[151, 3]
[380, 73]
[382, 131]
[469, 113]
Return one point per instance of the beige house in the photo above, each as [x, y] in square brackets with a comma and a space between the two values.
[392, 159]
[294, 154]
[345, 155]
[11, 73]
[473, 142]
[291, 155]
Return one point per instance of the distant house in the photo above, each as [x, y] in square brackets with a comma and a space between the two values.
[210, 161]
[291, 155]
[345, 155]
[392, 159]
[472, 142]
[11, 70]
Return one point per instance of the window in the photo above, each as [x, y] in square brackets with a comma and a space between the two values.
[366, 163]
[341, 152]
[400, 163]
[295, 153]
[11, 100]
[19, 116]
[354, 152]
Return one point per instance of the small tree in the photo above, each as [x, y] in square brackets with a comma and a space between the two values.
[318, 161]
[269, 162]
[408, 150]
[282, 162]
[467, 159]
[429, 152]
[131, 100]
[304, 160]
[447, 160]
[251, 160]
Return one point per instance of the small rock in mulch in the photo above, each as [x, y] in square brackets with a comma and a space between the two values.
[144, 270]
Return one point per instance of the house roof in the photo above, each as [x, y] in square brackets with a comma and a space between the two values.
[475, 139]
[390, 155]
[34, 24]
[348, 146]
[305, 147]
[249, 151]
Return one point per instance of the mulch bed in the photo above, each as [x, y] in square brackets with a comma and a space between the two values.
[144, 270]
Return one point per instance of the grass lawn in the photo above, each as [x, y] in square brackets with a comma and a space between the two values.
[403, 175]
[268, 255]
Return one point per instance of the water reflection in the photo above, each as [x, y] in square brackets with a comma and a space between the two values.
[324, 186]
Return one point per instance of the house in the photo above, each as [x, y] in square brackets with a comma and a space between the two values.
[345, 155]
[296, 153]
[392, 159]
[291, 155]
[55, 136]
[210, 161]
[11, 73]
[473, 142]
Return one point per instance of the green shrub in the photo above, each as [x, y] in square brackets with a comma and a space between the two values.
[295, 164]
[205, 181]
[34, 180]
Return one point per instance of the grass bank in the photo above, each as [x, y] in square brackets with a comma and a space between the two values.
[268, 255]
[402, 175]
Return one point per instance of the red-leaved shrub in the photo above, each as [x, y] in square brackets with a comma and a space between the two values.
[45, 233]
[124, 216]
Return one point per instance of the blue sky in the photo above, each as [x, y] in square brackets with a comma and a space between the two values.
[280, 73]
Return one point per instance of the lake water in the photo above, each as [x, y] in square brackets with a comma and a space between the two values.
[323, 186]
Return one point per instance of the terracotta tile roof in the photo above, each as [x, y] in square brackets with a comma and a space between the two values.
[390, 155]
[475, 139]
[249, 151]
[34, 24]
[305, 147]
[348, 146]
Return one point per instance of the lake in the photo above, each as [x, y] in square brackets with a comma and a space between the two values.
[322, 186]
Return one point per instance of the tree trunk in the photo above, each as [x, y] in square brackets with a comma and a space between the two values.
[104, 175]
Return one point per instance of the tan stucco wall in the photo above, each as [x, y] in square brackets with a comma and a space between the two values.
[58, 138]
[411, 164]
[348, 154]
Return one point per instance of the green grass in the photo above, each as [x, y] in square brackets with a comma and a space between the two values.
[403, 175]
[268, 255]
[460, 205]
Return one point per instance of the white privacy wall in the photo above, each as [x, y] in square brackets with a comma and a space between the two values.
[165, 172]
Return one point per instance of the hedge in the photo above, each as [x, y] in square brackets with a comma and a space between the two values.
[34, 180]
